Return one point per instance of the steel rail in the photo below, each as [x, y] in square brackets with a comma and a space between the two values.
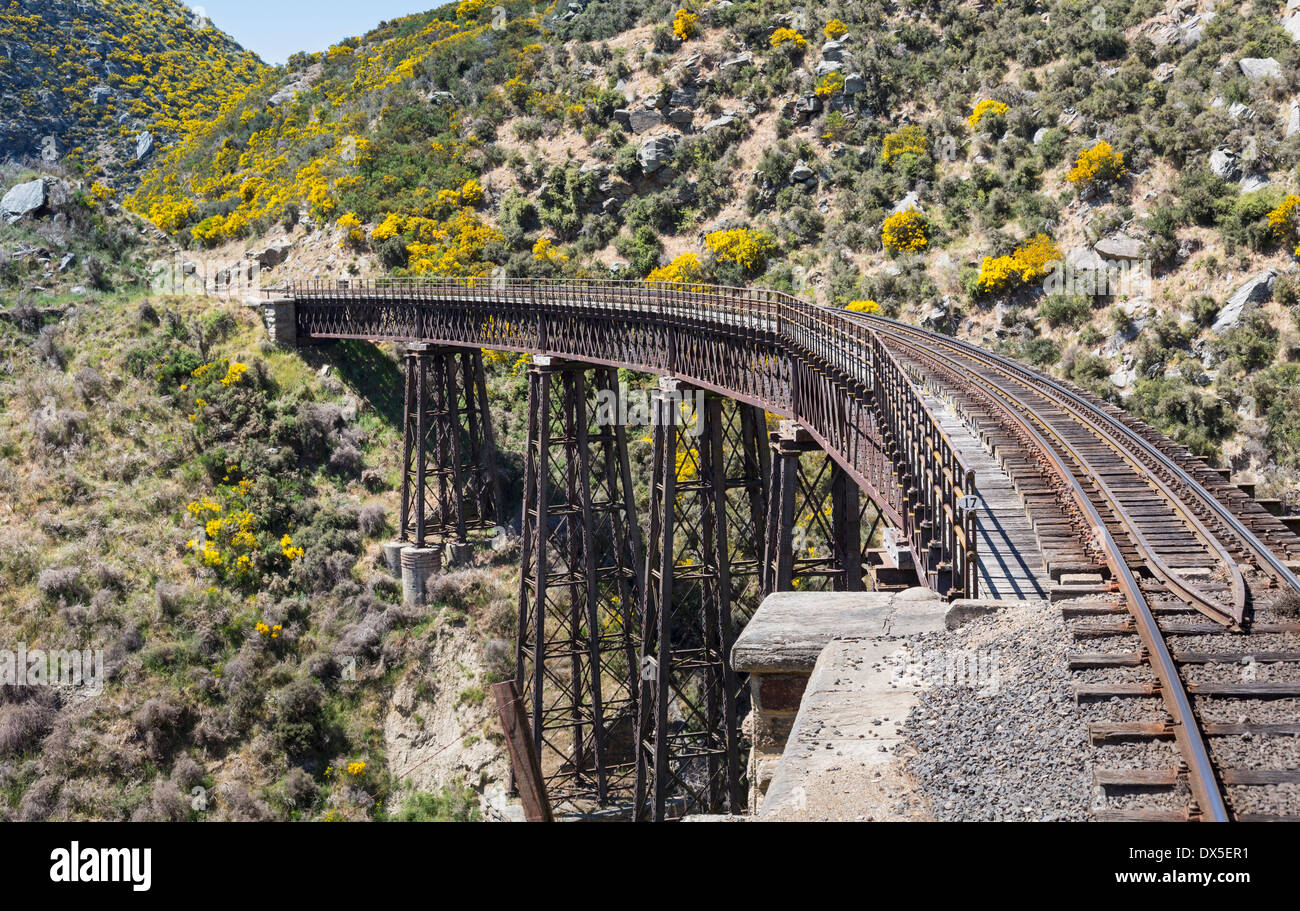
[1201, 775]
[1071, 400]
[1205, 604]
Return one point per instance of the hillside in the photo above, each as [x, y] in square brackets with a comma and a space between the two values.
[1152, 147]
[1108, 191]
[100, 88]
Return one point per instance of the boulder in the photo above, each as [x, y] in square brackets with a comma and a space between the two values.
[801, 173]
[23, 199]
[1239, 111]
[100, 95]
[1258, 68]
[1293, 118]
[911, 201]
[656, 152]
[1165, 72]
[1119, 246]
[826, 67]
[1252, 182]
[834, 51]
[854, 83]
[442, 98]
[1292, 26]
[1225, 163]
[1039, 134]
[738, 61]
[726, 120]
[1245, 298]
[143, 146]
[681, 116]
[640, 121]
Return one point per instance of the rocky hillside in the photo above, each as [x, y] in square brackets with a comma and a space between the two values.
[1105, 190]
[100, 87]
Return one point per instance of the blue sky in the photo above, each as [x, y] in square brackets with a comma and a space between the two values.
[274, 29]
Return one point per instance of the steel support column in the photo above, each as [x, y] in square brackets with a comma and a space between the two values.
[688, 757]
[450, 481]
[579, 586]
[814, 519]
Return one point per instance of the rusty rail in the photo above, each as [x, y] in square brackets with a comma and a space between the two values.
[762, 347]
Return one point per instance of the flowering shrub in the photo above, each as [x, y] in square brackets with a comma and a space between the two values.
[905, 232]
[742, 246]
[985, 108]
[865, 306]
[229, 541]
[910, 140]
[685, 268]
[353, 235]
[835, 29]
[684, 24]
[546, 251]
[1285, 219]
[829, 84]
[1031, 260]
[787, 36]
[1097, 164]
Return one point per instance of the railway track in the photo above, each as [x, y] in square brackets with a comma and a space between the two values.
[1193, 695]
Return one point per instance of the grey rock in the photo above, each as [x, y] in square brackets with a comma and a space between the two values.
[656, 152]
[834, 51]
[640, 121]
[1039, 134]
[1225, 163]
[911, 201]
[681, 116]
[441, 98]
[1244, 299]
[143, 146]
[100, 95]
[1293, 118]
[23, 199]
[1252, 182]
[1165, 71]
[801, 173]
[1292, 26]
[1119, 246]
[1258, 68]
[1239, 111]
[826, 67]
[725, 120]
[854, 83]
[737, 61]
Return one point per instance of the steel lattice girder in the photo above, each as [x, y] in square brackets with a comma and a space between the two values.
[579, 587]
[688, 731]
[450, 480]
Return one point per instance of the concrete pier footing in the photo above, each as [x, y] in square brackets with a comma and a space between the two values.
[419, 566]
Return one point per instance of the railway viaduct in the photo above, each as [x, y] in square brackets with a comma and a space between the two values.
[814, 435]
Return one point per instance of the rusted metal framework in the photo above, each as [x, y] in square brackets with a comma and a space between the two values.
[813, 535]
[450, 481]
[790, 357]
[688, 757]
[576, 655]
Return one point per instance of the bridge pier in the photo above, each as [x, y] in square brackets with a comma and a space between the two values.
[705, 510]
[575, 658]
[450, 482]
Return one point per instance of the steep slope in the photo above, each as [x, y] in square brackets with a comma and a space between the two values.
[1048, 152]
[100, 86]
